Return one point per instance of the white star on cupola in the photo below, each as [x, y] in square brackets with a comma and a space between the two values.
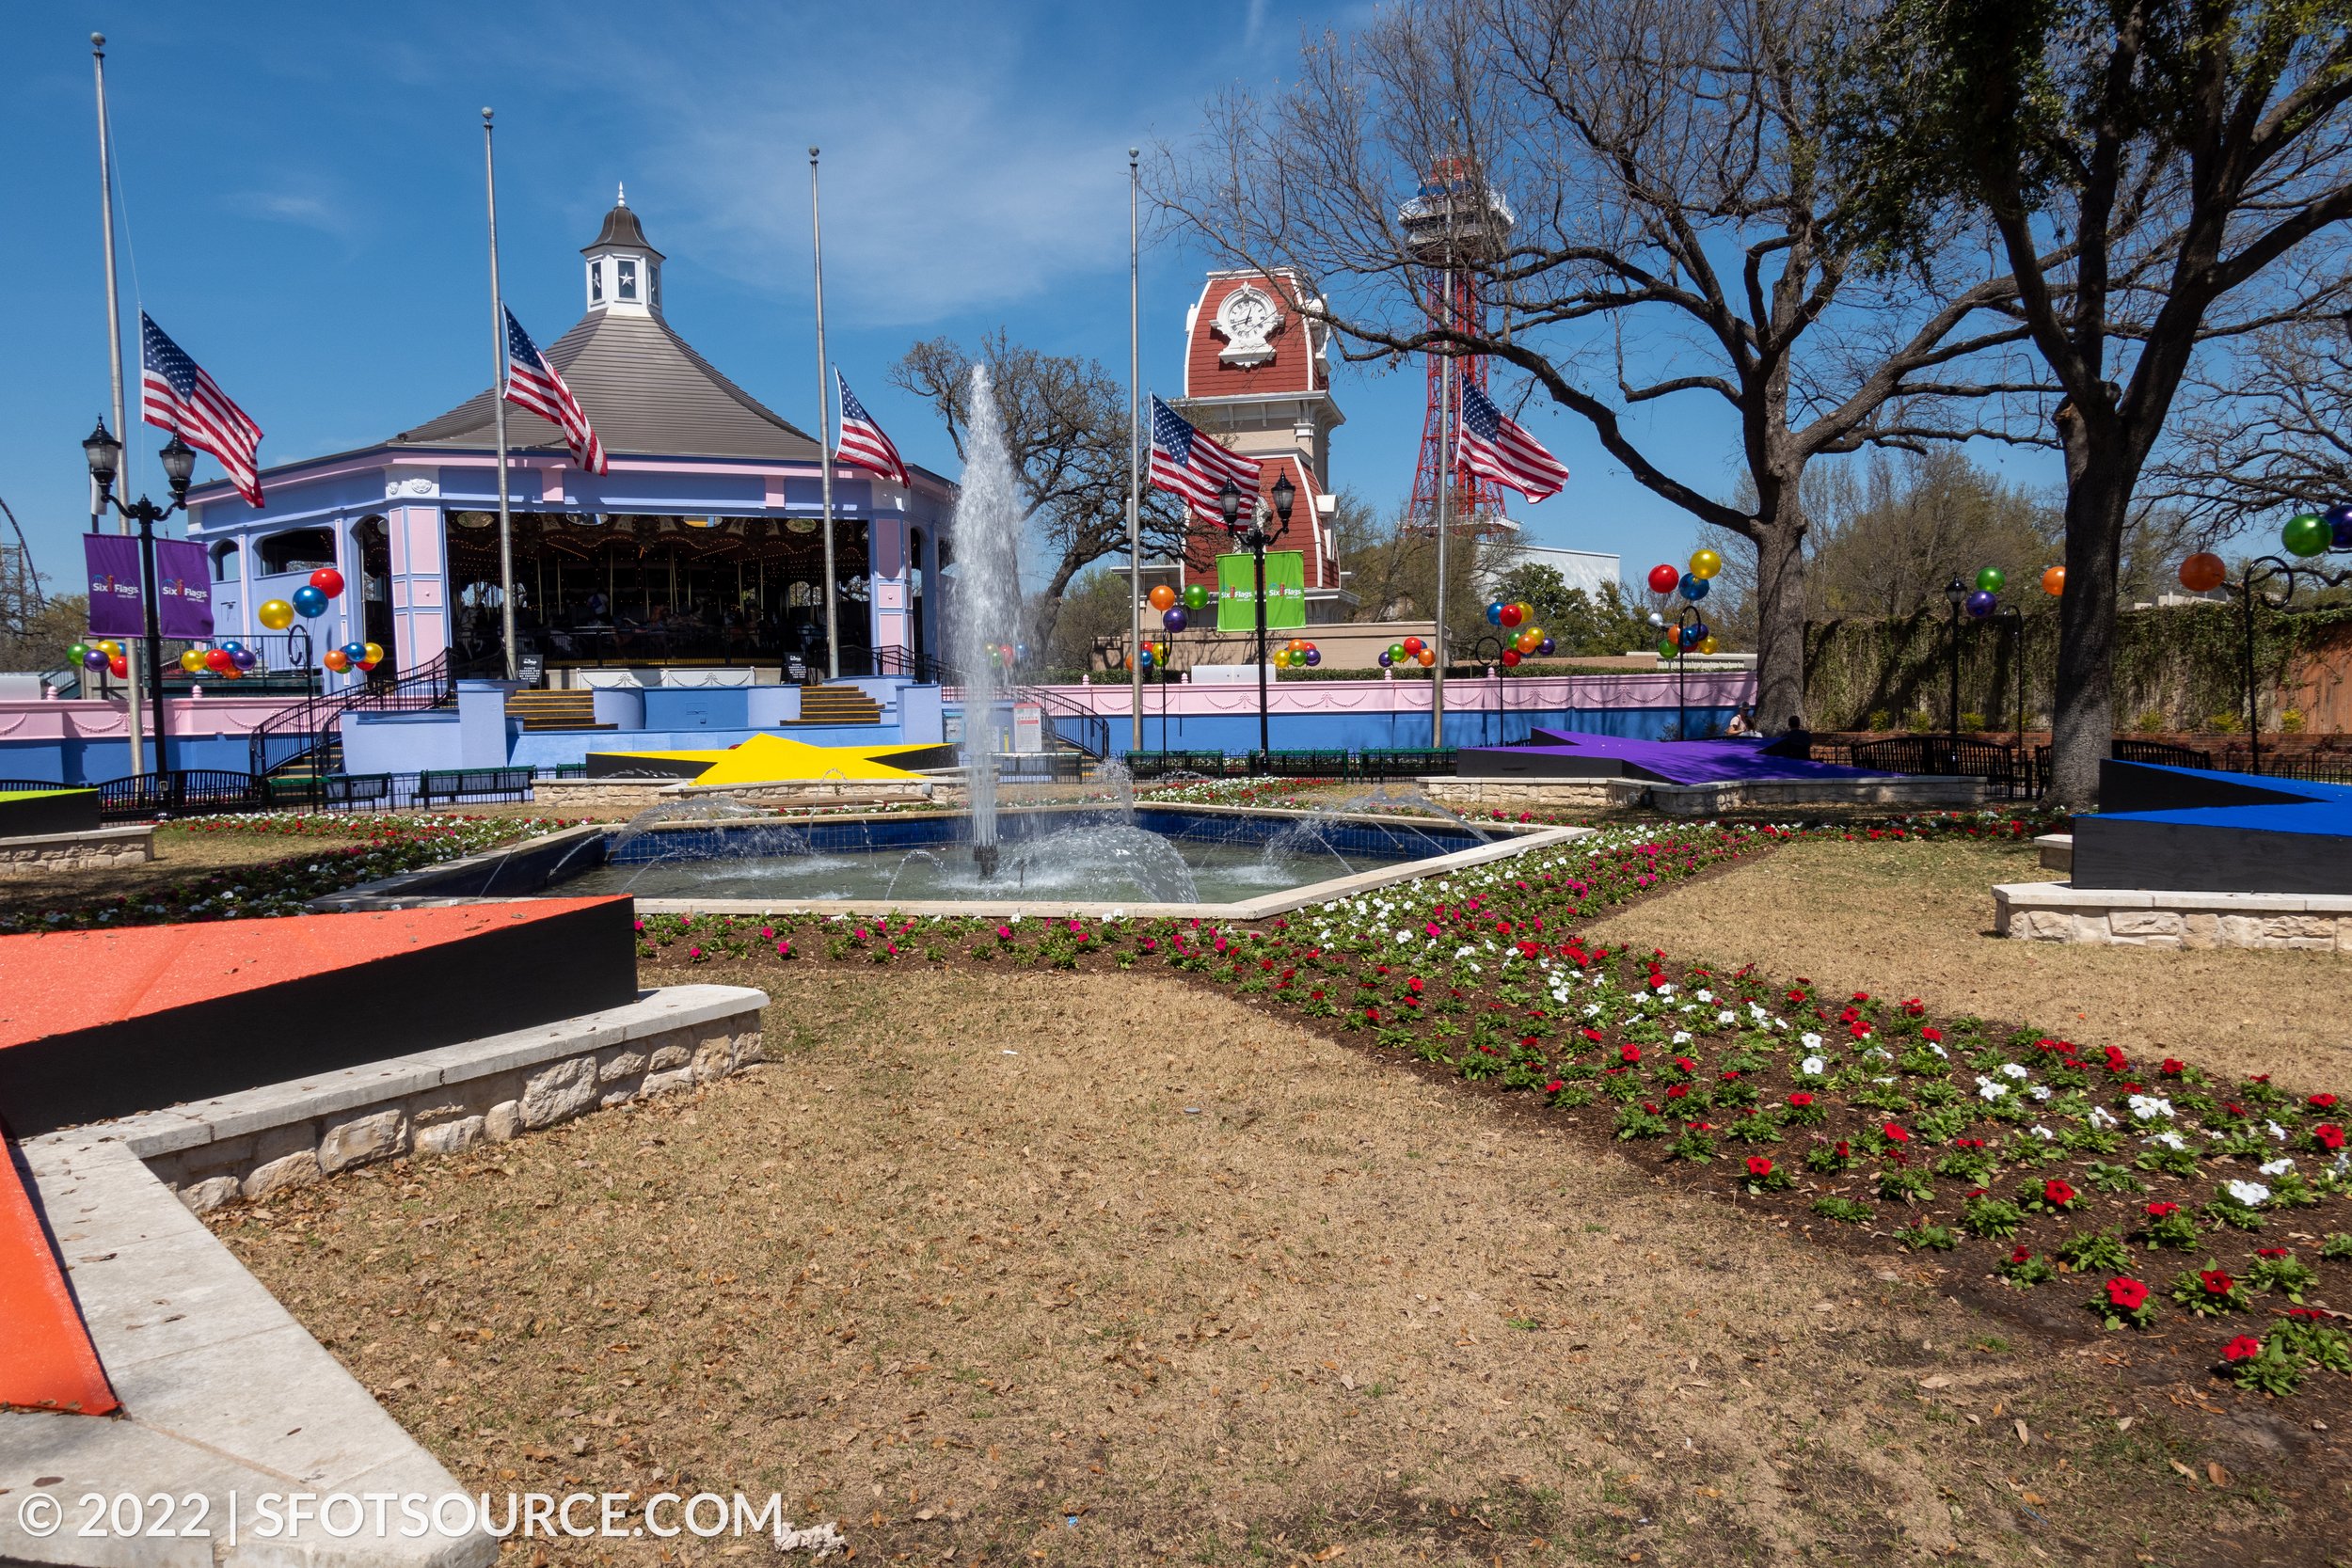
[624, 269]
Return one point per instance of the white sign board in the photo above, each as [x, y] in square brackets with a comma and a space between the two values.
[1230, 674]
[1028, 727]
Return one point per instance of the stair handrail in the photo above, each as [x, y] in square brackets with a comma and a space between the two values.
[431, 685]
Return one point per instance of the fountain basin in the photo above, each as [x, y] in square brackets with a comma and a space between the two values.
[1230, 863]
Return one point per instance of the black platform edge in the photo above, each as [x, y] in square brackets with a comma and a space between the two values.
[2152, 787]
[68, 811]
[2185, 856]
[511, 976]
[1517, 762]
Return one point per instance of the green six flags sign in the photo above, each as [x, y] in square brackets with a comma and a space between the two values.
[1237, 591]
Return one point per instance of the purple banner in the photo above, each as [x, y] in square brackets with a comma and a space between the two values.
[114, 585]
[184, 601]
[183, 593]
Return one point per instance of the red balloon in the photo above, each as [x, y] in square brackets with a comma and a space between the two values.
[118, 666]
[1512, 615]
[1510, 656]
[218, 659]
[327, 581]
[1413, 646]
[1664, 579]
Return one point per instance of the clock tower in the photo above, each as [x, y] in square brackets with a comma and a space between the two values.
[1258, 378]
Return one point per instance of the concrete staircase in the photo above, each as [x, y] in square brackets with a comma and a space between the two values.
[838, 705]
[555, 710]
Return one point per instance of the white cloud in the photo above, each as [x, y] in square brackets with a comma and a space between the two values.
[303, 209]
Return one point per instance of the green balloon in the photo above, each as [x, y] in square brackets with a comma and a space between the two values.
[1991, 580]
[75, 651]
[1196, 597]
[1396, 653]
[2306, 534]
[1669, 648]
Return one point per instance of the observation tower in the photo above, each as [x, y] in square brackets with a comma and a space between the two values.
[1455, 225]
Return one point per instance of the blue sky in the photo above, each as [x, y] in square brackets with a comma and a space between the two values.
[302, 186]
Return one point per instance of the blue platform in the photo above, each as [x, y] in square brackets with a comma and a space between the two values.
[2191, 829]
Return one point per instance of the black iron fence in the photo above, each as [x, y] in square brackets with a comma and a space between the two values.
[1368, 765]
[204, 792]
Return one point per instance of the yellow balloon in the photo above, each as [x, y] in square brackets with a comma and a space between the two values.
[1707, 644]
[1705, 563]
[191, 660]
[111, 648]
[276, 614]
[376, 652]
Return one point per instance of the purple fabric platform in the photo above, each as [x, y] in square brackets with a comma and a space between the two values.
[1561, 753]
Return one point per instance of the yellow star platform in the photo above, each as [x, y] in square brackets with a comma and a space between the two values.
[773, 759]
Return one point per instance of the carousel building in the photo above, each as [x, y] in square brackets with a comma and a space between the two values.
[700, 553]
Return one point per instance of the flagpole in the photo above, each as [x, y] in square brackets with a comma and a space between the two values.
[498, 408]
[1445, 492]
[1135, 469]
[824, 427]
[113, 357]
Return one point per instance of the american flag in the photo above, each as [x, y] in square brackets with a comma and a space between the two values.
[532, 384]
[1195, 466]
[862, 443]
[176, 394]
[1492, 445]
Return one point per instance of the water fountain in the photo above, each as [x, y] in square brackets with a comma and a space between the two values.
[990, 513]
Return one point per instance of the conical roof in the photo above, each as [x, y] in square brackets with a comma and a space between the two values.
[621, 227]
[644, 389]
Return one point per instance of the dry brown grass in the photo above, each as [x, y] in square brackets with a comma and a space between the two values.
[1100, 1268]
[180, 854]
[1916, 919]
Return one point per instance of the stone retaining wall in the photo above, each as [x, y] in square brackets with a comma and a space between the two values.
[628, 796]
[445, 1102]
[35, 854]
[1577, 794]
[2058, 911]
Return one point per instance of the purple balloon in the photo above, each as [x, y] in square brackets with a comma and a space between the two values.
[1386, 660]
[1546, 647]
[1980, 603]
[1315, 656]
[94, 660]
[1173, 618]
[243, 658]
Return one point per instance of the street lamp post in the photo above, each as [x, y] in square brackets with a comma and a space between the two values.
[2252, 582]
[1229, 500]
[104, 454]
[1955, 595]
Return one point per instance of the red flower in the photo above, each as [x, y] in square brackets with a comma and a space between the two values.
[2172, 1067]
[2158, 1211]
[2322, 1101]
[2216, 1282]
[1932, 1033]
[1677, 1091]
[2057, 1193]
[2271, 1252]
[2244, 1347]
[1372, 1015]
[1555, 1087]
[1758, 1166]
[1686, 1064]
[2022, 1253]
[2128, 1295]
[2330, 1136]
[1413, 985]
[1800, 1098]
[2116, 1060]
[1894, 1133]
[1629, 1052]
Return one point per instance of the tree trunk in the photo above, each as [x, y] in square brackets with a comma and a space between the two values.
[2082, 722]
[1779, 625]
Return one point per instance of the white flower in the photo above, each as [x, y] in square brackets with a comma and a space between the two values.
[2040, 1131]
[2102, 1118]
[1726, 1016]
[1666, 989]
[1681, 1036]
[1592, 1009]
[2013, 1070]
[2251, 1194]
[1704, 995]
[2150, 1108]
[2278, 1167]
[1939, 1051]
[2276, 1131]
[2169, 1140]
[1811, 1042]
[1814, 1066]
[2042, 1091]
[1991, 1089]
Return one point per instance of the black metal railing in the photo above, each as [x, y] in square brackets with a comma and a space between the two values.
[1067, 722]
[2015, 771]
[311, 725]
[207, 792]
[1367, 766]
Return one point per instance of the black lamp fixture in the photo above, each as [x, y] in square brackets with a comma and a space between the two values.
[1228, 502]
[104, 455]
[1955, 595]
[1285, 495]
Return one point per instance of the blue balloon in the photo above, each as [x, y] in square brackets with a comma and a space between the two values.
[1980, 603]
[1494, 613]
[355, 651]
[1173, 618]
[1143, 660]
[1692, 587]
[1691, 635]
[308, 602]
[2339, 520]
[229, 646]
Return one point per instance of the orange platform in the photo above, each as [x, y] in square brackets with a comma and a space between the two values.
[50, 1364]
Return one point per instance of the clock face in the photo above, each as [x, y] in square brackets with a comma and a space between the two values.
[1250, 313]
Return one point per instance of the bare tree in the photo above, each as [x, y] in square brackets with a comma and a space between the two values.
[1673, 240]
[1066, 429]
[2264, 432]
[2193, 148]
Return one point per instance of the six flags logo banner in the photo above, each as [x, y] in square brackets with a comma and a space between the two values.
[184, 594]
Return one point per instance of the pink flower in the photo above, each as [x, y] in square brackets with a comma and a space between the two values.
[783, 949]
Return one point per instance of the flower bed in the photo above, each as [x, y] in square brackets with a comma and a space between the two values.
[366, 848]
[2123, 1184]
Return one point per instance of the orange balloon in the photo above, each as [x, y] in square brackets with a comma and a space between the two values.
[335, 660]
[1427, 657]
[1163, 598]
[2202, 571]
[2053, 582]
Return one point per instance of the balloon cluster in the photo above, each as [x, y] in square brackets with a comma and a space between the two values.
[1411, 650]
[1297, 653]
[1176, 616]
[1518, 619]
[2310, 533]
[1152, 653]
[1986, 597]
[1692, 585]
[105, 655]
[1002, 655]
[230, 659]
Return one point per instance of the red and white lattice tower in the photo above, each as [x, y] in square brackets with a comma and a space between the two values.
[1455, 224]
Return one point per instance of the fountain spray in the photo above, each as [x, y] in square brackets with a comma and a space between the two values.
[990, 513]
